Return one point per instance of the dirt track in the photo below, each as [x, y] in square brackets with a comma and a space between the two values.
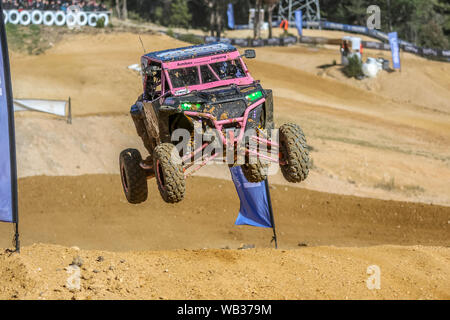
[308, 273]
[386, 138]
[91, 212]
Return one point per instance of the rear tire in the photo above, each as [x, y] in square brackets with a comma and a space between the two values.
[255, 172]
[169, 173]
[134, 179]
[294, 152]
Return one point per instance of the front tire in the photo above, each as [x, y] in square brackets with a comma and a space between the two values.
[169, 173]
[134, 178]
[294, 153]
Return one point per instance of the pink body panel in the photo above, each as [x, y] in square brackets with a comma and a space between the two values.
[197, 62]
[201, 60]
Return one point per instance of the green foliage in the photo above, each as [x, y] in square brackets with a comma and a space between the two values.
[432, 35]
[191, 38]
[354, 67]
[428, 25]
[100, 23]
[188, 37]
[132, 15]
[170, 33]
[158, 15]
[180, 15]
[26, 38]
[356, 11]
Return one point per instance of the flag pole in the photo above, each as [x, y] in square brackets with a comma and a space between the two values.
[12, 140]
[16, 237]
[272, 220]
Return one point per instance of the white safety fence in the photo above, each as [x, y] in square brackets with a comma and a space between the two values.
[57, 18]
[62, 108]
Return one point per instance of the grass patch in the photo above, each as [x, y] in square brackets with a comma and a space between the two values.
[190, 38]
[100, 23]
[26, 39]
[185, 37]
[386, 185]
[390, 185]
[170, 33]
[413, 189]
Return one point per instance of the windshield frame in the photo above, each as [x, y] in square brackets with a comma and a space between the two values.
[197, 62]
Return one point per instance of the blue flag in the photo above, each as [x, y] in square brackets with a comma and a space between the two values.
[8, 183]
[393, 41]
[230, 14]
[299, 21]
[254, 210]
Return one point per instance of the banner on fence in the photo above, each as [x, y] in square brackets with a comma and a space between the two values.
[393, 41]
[299, 22]
[230, 15]
[55, 107]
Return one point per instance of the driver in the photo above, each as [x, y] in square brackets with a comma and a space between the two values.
[229, 69]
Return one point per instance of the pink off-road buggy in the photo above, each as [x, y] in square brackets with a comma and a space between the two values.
[199, 90]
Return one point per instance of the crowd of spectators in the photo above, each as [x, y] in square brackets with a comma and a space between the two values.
[55, 5]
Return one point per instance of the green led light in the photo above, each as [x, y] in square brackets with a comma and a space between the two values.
[253, 96]
[186, 106]
[189, 106]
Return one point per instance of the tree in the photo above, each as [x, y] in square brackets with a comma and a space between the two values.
[122, 13]
[124, 10]
[118, 11]
[216, 11]
[180, 15]
[270, 5]
[257, 23]
[428, 25]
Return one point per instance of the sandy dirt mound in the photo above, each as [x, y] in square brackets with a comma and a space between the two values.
[41, 272]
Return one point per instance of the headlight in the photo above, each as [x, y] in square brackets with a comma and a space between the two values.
[254, 96]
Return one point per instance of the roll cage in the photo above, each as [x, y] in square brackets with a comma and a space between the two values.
[158, 76]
